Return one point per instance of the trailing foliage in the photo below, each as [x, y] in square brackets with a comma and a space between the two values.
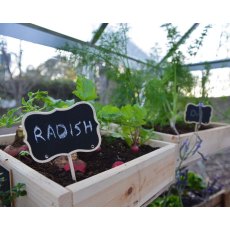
[38, 101]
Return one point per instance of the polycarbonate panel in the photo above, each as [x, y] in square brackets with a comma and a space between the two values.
[146, 38]
[32, 54]
[216, 45]
[79, 30]
[218, 83]
[149, 36]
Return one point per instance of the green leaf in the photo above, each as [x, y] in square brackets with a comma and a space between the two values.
[85, 89]
[23, 101]
[97, 106]
[10, 118]
[24, 153]
[166, 201]
[145, 135]
[109, 114]
[52, 103]
[133, 115]
[195, 181]
[126, 133]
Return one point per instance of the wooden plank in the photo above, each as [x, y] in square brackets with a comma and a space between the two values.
[130, 184]
[213, 140]
[101, 190]
[156, 172]
[166, 188]
[7, 139]
[215, 200]
[41, 191]
[226, 199]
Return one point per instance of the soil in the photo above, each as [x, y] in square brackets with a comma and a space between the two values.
[112, 150]
[181, 128]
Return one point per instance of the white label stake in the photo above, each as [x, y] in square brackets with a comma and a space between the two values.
[72, 168]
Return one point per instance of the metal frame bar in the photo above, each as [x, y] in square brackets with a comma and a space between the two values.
[98, 33]
[181, 41]
[36, 34]
[223, 63]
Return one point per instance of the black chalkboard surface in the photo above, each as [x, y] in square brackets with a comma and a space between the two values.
[198, 114]
[61, 131]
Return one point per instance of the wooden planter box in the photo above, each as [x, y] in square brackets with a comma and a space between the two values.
[214, 139]
[220, 199]
[41, 191]
[131, 184]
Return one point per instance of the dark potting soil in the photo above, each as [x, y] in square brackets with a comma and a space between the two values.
[98, 161]
[181, 128]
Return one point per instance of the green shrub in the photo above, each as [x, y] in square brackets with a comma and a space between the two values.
[59, 88]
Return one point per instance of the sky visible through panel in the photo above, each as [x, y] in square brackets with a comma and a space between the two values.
[146, 36]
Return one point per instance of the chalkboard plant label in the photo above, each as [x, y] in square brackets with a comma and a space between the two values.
[61, 131]
[198, 114]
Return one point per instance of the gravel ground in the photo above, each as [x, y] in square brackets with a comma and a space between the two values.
[217, 166]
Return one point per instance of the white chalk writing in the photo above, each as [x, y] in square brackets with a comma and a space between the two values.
[62, 131]
[38, 133]
[88, 126]
[50, 131]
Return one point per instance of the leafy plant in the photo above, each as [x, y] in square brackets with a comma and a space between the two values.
[85, 89]
[7, 197]
[169, 201]
[38, 101]
[198, 42]
[41, 101]
[192, 181]
[164, 92]
[188, 185]
[24, 153]
[108, 61]
[130, 118]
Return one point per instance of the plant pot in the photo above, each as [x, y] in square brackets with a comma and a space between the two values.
[213, 140]
[130, 184]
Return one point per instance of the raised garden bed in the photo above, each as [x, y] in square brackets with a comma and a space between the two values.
[220, 199]
[214, 137]
[130, 184]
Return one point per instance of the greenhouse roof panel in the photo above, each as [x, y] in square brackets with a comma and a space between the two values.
[79, 30]
[145, 38]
